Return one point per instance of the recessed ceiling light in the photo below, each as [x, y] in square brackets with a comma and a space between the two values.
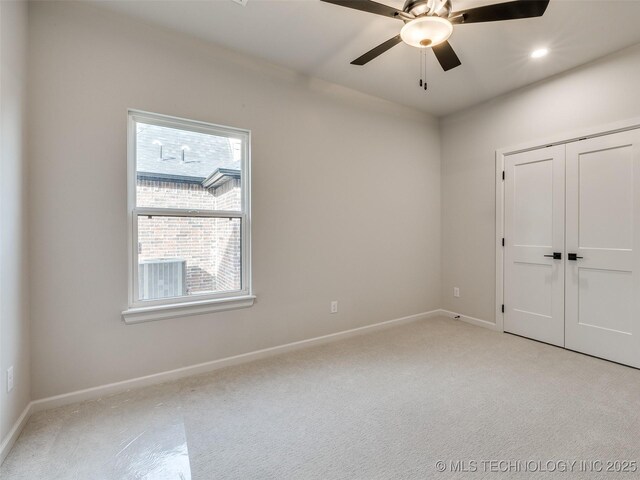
[539, 53]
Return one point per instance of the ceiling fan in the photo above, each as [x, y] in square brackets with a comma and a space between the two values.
[429, 23]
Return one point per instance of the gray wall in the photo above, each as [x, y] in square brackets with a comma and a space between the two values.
[602, 92]
[14, 320]
[346, 198]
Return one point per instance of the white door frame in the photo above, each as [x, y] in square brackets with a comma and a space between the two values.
[559, 139]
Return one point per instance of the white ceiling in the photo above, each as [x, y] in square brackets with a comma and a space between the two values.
[320, 39]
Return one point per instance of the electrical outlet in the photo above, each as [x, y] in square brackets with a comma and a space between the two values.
[456, 292]
[334, 306]
[10, 379]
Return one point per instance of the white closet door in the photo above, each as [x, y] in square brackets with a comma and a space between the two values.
[534, 231]
[602, 228]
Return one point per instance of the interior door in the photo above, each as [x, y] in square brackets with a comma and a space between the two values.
[602, 273]
[534, 244]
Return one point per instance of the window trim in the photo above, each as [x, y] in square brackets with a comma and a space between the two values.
[146, 310]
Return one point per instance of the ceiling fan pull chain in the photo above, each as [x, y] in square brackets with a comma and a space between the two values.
[424, 62]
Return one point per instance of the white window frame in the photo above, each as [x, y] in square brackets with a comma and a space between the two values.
[146, 310]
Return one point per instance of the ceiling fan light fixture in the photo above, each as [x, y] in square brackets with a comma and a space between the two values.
[426, 32]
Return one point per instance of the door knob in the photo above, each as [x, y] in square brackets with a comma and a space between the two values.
[555, 256]
[574, 256]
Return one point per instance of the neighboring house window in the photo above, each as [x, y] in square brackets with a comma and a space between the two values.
[189, 186]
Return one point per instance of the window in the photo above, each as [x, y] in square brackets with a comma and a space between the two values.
[189, 186]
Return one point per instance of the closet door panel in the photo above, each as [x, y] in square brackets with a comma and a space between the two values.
[602, 208]
[534, 230]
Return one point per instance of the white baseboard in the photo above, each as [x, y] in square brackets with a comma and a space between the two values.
[14, 433]
[117, 387]
[472, 320]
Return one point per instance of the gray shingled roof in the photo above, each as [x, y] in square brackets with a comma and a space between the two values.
[203, 154]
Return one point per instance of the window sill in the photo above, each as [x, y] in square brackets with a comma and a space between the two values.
[161, 312]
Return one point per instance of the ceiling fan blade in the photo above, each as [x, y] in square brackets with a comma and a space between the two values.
[446, 56]
[501, 11]
[367, 6]
[379, 50]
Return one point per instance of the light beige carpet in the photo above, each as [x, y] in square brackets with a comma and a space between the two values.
[387, 405]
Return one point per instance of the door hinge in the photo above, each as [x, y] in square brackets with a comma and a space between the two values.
[503, 308]
[502, 174]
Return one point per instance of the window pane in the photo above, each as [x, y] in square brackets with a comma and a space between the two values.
[189, 170]
[180, 256]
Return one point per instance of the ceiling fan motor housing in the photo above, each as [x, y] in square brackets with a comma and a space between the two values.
[418, 8]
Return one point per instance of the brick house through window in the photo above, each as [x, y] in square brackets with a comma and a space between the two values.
[180, 255]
